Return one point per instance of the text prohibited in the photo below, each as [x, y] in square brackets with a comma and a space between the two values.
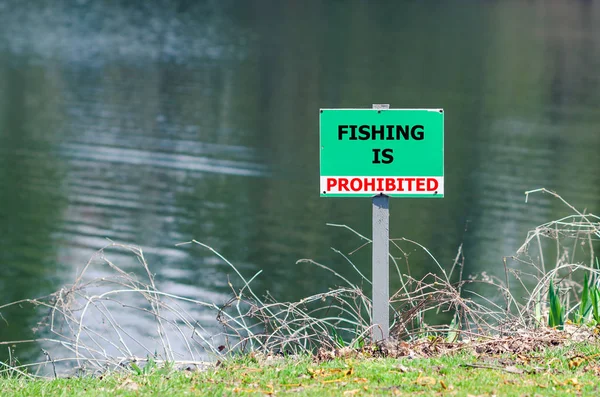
[396, 152]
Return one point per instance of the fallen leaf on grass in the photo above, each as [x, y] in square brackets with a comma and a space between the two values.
[351, 392]
[315, 372]
[575, 362]
[402, 368]
[551, 361]
[573, 381]
[333, 380]
[511, 369]
[446, 387]
[523, 358]
[569, 382]
[322, 373]
[330, 354]
[426, 381]
[129, 385]
[594, 369]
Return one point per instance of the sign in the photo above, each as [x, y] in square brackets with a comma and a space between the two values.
[395, 152]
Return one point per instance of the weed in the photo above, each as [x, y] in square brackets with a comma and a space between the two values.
[556, 317]
[585, 304]
[453, 331]
[595, 303]
[80, 320]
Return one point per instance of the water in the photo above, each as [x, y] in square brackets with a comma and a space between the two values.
[161, 123]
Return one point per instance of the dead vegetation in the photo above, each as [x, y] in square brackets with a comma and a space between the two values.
[522, 341]
[81, 332]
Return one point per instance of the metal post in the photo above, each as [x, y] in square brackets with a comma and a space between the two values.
[381, 268]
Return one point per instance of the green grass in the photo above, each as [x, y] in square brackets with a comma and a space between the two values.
[555, 372]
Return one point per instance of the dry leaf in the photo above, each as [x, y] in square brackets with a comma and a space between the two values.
[129, 385]
[576, 362]
[426, 381]
[345, 352]
[523, 358]
[402, 368]
[332, 380]
[513, 370]
[573, 381]
[594, 369]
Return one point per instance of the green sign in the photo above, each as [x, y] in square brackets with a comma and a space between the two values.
[396, 152]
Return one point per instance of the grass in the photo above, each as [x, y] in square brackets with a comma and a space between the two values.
[551, 372]
[460, 374]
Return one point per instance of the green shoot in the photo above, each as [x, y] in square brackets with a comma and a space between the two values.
[556, 318]
[337, 338]
[585, 305]
[453, 330]
[595, 298]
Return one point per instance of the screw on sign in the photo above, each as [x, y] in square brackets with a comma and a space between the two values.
[381, 153]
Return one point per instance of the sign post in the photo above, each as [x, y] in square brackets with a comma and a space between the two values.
[381, 153]
[381, 262]
[381, 268]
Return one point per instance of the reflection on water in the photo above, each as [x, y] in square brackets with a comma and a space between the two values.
[160, 123]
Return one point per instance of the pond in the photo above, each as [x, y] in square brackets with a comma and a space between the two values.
[160, 123]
